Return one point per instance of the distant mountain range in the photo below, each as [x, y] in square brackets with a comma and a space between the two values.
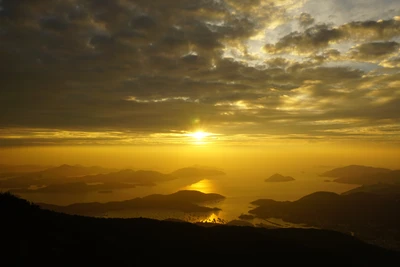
[363, 175]
[279, 178]
[77, 188]
[66, 170]
[65, 178]
[36, 237]
[54, 175]
[186, 201]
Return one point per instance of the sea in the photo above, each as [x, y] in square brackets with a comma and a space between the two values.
[240, 188]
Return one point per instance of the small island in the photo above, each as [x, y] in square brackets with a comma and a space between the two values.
[279, 178]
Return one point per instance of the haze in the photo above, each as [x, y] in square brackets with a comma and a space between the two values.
[256, 159]
[151, 106]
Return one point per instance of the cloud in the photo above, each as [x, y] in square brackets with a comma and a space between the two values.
[312, 39]
[154, 67]
[321, 36]
[372, 30]
[393, 62]
[305, 19]
[374, 51]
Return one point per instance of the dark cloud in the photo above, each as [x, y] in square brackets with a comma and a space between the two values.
[53, 23]
[372, 30]
[322, 36]
[374, 50]
[312, 39]
[305, 19]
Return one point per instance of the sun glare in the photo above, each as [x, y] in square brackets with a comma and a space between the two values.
[204, 186]
[199, 135]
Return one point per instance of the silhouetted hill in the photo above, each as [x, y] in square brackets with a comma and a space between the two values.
[185, 201]
[240, 223]
[76, 188]
[66, 170]
[353, 171]
[391, 177]
[279, 178]
[191, 172]
[36, 237]
[370, 216]
[380, 189]
[246, 217]
[55, 175]
[69, 174]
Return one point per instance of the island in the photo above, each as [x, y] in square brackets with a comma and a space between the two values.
[368, 216]
[279, 178]
[186, 201]
[363, 175]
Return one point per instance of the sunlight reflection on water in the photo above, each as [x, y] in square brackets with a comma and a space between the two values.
[204, 186]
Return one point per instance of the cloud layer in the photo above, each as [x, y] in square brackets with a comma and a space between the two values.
[125, 71]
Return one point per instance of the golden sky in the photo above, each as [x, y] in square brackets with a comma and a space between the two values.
[237, 72]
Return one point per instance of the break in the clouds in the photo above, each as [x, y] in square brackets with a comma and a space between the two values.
[134, 71]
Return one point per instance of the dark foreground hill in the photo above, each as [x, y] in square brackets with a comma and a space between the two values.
[35, 237]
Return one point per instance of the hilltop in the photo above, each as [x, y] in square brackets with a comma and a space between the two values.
[66, 240]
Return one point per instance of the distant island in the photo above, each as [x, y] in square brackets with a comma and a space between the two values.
[70, 240]
[379, 189]
[367, 215]
[353, 170]
[80, 179]
[186, 201]
[279, 178]
[79, 187]
[363, 175]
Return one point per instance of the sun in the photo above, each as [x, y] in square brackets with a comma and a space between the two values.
[199, 135]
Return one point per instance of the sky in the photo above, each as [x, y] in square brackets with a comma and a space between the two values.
[200, 72]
